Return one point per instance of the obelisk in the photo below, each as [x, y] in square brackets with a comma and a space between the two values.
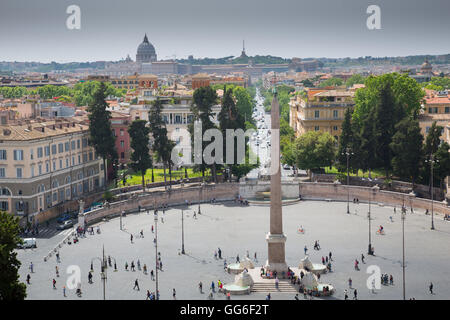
[275, 238]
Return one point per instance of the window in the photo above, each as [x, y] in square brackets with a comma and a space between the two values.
[84, 142]
[122, 143]
[85, 157]
[31, 154]
[60, 164]
[121, 132]
[53, 148]
[335, 128]
[60, 148]
[122, 155]
[79, 159]
[47, 167]
[78, 144]
[18, 154]
[447, 109]
[39, 152]
[316, 128]
[47, 150]
[4, 205]
[73, 161]
[316, 114]
[54, 165]
[73, 145]
[90, 156]
[55, 197]
[67, 162]
[3, 155]
[68, 193]
[19, 172]
[32, 171]
[66, 146]
[40, 169]
[335, 114]
[2, 173]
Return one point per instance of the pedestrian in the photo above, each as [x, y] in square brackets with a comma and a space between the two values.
[152, 229]
[323, 260]
[57, 271]
[296, 297]
[215, 254]
[28, 278]
[326, 259]
[126, 266]
[200, 287]
[256, 259]
[139, 264]
[174, 294]
[149, 296]
[90, 277]
[330, 256]
[54, 284]
[350, 283]
[152, 275]
[276, 282]
[305, 249]
[136, 284]
[142, 233]
[391, 280]
[31, 267]
[237, 258]
[362, 258]
[64, 291]
[355, 295]
[268, 296]
[431, 287]
[345, 294]
[160, 265]
[57, 257]
[212, 286]
[132, 266]
[219, 251]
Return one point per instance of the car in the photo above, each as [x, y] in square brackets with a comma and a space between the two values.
[65, 225]
[64, 217]
[28, 243]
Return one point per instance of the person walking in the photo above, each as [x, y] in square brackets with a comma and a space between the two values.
[350, 283]
[431, 287]
[305, 249]
[90, 277]
[174, 294]
[200, 287]
[362, 258]
[277, 282]
[57, 271]
[64, 291]
[212, 286]
[329, 255]
[54, 284]
[152, 275]
[237, 258]
[31, 267]
[256, 259]
[28, 278]
[355, 295]
[148, 295]
[57, 257]
[126, 266]
[268, 296]
[345, 294]
[132, 266]
[136, 284]
[219, 251]
[142, 233]
[160, 265]
[131, 238]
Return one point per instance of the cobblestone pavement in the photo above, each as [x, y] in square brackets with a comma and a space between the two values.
[237, 229]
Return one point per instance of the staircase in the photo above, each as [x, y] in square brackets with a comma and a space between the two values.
[266, 287]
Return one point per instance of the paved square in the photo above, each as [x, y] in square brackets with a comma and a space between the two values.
[235, 230]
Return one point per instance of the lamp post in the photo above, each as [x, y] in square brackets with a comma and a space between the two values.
[369, 250]
[199, 197]
[348, 153]
[103, 274]
[432, 161]
[182, 231]
[403, 246]
[156, 251]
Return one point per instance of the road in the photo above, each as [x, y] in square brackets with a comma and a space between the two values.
[260, 142]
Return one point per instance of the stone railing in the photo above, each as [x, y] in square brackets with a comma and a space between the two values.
[332, 191]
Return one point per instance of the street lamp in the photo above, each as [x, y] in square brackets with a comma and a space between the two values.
[432, 161]
[348, 153]
[403, 245]
[182, 231]
[103, 270]
[199, 197]
[369, 250]
[156, 251]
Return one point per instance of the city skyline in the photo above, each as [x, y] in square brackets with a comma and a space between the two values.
[112, 30]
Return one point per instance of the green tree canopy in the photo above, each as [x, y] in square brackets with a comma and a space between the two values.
[314, 150]
[140, 156]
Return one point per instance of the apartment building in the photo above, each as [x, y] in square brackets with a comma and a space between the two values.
[45, 163]
[320, 110]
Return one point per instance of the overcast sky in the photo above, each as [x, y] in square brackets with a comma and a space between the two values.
[35, 30]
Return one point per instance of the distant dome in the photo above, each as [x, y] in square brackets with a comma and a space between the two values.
[426, 67]
[145, 52]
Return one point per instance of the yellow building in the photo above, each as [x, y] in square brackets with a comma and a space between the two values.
[320, 110]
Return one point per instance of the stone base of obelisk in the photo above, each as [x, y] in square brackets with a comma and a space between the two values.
[277, 260]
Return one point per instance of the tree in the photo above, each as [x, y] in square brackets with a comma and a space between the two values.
[314, 150]
[332, 82]
[10, 287]
[345, 140]
[433, 139]
[442, 165]
[101, 135]
[162, 146]
[407, 149]
[203, 100]
[368, 142]
[140, 157]
[355, 79]
[384, 127]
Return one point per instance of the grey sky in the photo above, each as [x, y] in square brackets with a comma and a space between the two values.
[35, 30]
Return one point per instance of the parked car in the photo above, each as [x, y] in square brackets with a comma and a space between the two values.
[28, 243]
[65, 225]
[64, 217]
